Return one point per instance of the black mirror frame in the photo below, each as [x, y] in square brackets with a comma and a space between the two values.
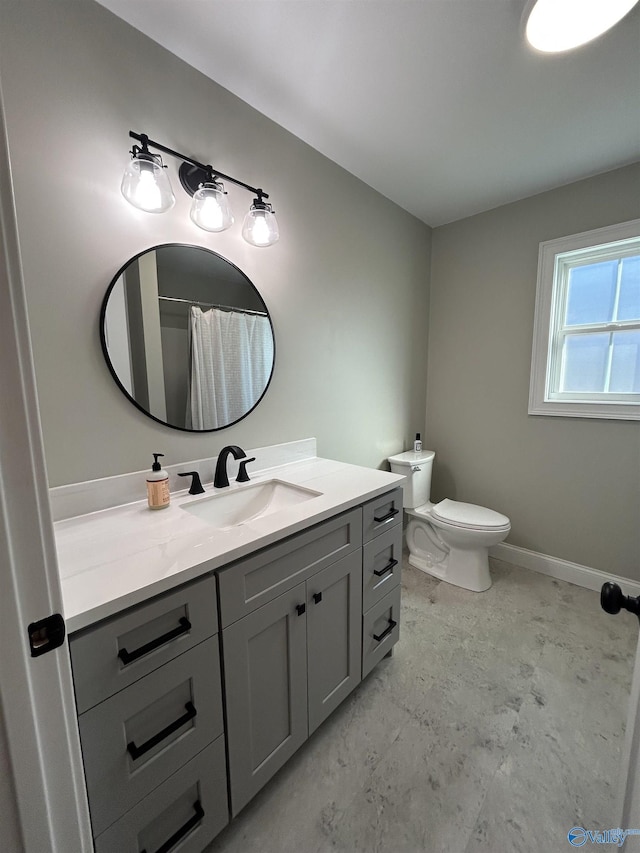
[105, 351]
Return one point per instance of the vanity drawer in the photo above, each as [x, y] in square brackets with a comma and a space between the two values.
[112, 655]
[132, 741]
[189, 809]
[251, 583]
[380, 629]
[381, 565]
[381, 513]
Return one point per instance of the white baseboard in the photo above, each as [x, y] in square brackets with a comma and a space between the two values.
[561, 569]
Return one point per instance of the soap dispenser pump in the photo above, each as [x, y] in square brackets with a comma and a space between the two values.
[158, 495]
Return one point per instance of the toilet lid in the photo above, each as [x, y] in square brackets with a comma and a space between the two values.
[469, 515]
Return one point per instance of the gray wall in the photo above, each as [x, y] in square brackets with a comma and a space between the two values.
[347, 285]
[571, 486]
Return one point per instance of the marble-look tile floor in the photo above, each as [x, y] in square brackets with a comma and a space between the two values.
[496, 726]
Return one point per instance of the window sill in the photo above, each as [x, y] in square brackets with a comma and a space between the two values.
[603, 411]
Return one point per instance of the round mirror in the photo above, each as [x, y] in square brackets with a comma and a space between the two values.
[187, 337]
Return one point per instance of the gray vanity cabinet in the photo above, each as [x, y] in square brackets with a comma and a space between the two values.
[170, 739]
[289, 663]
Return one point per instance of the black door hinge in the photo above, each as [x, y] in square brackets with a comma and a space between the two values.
[46, 634]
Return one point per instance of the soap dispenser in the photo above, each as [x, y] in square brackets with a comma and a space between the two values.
[158, 496]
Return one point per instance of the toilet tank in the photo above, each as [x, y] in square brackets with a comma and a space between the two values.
[417, 469]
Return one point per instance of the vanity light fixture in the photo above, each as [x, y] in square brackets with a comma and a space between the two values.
[260, 227]
[146, 186]
[554, 26]
[210, 208]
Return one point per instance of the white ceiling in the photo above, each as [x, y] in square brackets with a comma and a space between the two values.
[437, 104]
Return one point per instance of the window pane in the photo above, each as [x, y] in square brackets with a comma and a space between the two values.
[591, 293]
[585, 362]
[625, 364]
[629, 307]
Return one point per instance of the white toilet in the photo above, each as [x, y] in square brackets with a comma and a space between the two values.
[449, 540]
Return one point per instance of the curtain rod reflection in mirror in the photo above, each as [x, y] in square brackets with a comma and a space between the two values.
[146, 185]
[212, 305]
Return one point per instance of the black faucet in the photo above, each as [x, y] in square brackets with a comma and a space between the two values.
[221, 478]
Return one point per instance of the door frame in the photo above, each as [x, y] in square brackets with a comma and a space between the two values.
[629, 781]
[37, 706]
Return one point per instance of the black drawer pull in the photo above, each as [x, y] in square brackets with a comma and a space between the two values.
[301, 608]
[136, 751]
[390, 565]
[128, 657]
[317, 597]
[386, 517]
[170, 843]
[380, 637]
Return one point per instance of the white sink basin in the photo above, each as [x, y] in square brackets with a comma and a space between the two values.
[231, 508]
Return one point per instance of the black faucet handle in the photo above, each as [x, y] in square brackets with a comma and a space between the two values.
[196, 485]
[243, 477]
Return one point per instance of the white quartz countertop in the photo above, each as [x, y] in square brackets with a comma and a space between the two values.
[117, 557]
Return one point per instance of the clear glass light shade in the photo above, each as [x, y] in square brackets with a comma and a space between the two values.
[260, 226]
[145, 185]
[210, 208]
[557, 25]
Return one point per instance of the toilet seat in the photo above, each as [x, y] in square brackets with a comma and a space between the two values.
[466, 516]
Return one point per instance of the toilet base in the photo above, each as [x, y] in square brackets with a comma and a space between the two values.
[466, 569]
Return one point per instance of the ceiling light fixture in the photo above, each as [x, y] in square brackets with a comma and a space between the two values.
[554, 26]
[146, 186]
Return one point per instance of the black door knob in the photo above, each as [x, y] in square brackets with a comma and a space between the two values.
[613, 600]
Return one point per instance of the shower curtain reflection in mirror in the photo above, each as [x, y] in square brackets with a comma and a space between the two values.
[231, 359]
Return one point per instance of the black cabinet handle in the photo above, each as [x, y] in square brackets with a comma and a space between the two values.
[195, 819]
[390, 565]
[301, 608]
[136, 751]
[386, 517]
[128, 657]
[317, 597]
[380, 637]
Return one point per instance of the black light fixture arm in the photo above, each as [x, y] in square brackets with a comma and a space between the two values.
[209, 170]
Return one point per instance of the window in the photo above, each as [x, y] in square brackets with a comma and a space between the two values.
[586, 340]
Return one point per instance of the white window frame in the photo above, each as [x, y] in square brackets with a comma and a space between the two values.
[614, 241]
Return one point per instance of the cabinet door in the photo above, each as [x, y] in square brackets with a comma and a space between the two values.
[334, 608]
[266, 692]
